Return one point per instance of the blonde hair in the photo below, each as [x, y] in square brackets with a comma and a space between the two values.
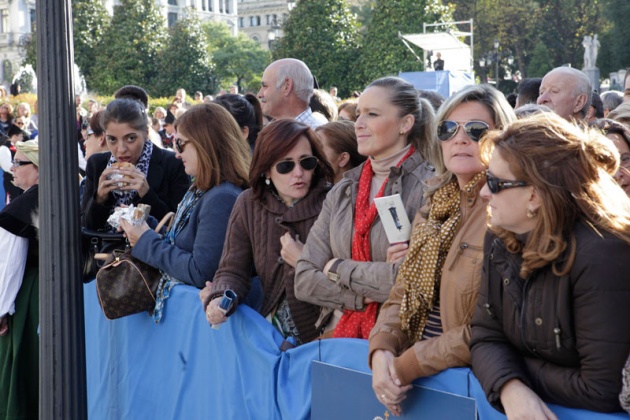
[499, 108]
[572, 170]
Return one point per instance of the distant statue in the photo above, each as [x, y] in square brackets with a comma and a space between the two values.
[588, 43]
[594, 50]
[591, 49]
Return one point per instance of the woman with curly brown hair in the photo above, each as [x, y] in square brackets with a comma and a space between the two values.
[552, 321]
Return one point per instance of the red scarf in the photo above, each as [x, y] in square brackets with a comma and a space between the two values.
[357, 324]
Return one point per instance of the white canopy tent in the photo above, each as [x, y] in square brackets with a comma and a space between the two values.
[456, 54]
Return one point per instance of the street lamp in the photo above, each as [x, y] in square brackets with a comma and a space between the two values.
[273, 33]
[496, 61]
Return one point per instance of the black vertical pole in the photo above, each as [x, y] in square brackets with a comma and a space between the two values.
[62, 339]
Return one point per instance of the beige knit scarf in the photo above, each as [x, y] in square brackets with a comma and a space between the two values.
[422, 269]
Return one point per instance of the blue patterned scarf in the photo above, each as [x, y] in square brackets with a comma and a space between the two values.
[184, 210]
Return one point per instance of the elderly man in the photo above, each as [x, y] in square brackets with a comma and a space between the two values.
[567, 92]
[286, 89]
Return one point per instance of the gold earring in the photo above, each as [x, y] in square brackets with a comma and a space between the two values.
[530, 214]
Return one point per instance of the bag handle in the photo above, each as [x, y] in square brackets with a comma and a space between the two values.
[168, 218]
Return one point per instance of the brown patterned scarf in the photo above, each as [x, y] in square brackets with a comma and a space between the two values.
[422, 269]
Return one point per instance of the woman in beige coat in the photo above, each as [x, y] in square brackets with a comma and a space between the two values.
[344, 266]
[424, 326]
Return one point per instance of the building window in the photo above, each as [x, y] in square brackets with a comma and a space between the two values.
[203, 5]
[4, 16]
[172, 19]
[33, 15]
[241, 22]
[172, 2]
[227, 7]
[210, 4]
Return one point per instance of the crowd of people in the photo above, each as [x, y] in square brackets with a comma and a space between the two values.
[514, 264]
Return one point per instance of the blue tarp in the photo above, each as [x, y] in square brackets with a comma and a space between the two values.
[443, 82]
[183, 369]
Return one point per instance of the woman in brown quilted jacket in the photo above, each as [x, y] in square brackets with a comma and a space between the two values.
[552, 322]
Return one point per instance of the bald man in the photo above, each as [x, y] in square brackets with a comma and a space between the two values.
[286, 89]
[567, 92]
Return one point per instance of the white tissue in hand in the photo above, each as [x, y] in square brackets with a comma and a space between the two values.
[124, 212]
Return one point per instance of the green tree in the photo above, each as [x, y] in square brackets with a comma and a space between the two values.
[539, 64]
[237, 59]
[30, 51]
[129, 47]
[324, 34]
[562, 25]
[90, 20]
[511, 22]
[383, 52]
[615, 52]
[242, 60]
[185, 61]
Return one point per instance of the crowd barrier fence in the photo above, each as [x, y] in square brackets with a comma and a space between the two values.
[183, 369]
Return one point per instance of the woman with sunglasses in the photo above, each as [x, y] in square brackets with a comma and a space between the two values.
[7, 153]
[157, 178]
[552, 321]
[424, 326]
[346, 267]
[214, 154]
[24, 110]
[290, 178]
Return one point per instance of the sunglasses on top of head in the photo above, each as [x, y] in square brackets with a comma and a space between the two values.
[496, 185]
[473, 129]
[307, 163]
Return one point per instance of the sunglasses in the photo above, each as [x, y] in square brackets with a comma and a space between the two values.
[19, 123]
[179, 145]
[307, 163]
[21, 163]
[496, 185]
[473, 129]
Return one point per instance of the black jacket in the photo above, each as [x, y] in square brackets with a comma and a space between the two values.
[167, 181]
[567, 338]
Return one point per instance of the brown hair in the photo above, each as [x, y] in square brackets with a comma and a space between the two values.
[571, 169]
[95, 124]
[343, 139]
[350, 107]
[277, 139]
[608, 126]
[223, 154]
[9, 109]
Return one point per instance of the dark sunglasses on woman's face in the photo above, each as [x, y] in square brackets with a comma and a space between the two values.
[21, 163]
[496, 185]
[473, 129]
[307, 163]
[179, 145]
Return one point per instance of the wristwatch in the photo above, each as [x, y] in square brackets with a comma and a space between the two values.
[332, 271]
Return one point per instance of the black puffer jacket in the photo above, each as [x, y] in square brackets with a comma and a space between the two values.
[567, 338]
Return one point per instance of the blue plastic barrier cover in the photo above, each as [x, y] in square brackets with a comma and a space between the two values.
[183, 369]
